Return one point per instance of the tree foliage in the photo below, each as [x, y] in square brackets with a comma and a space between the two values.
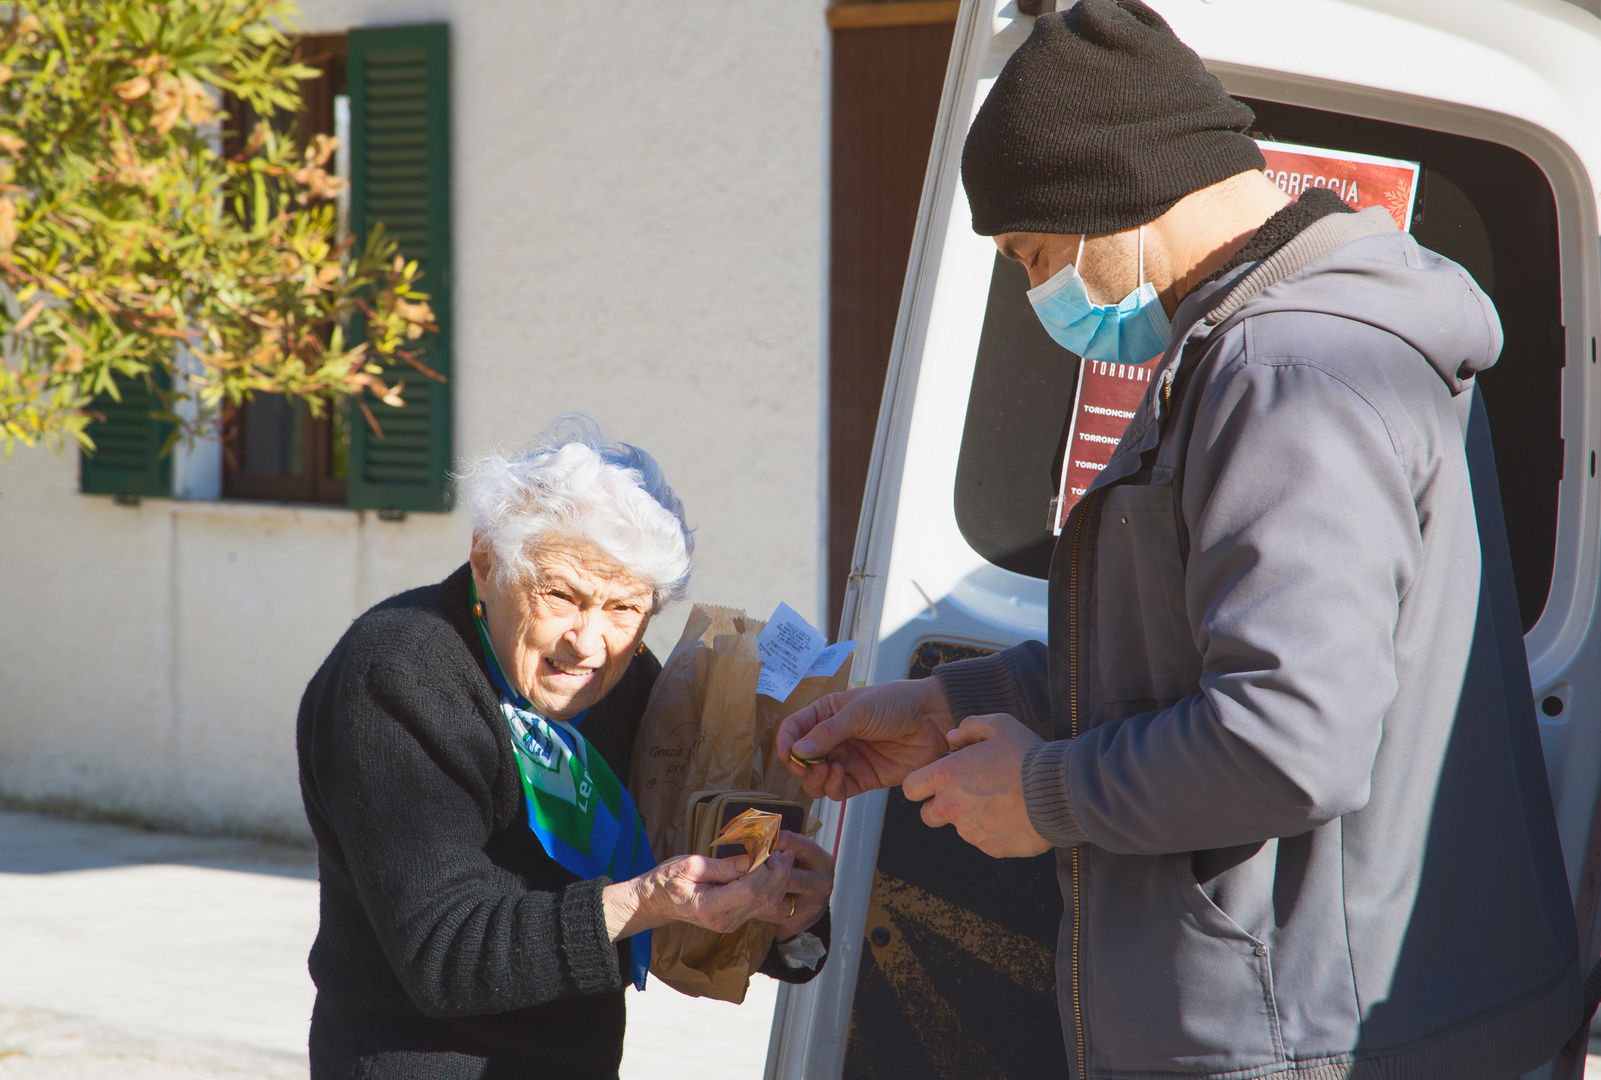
[128, 239]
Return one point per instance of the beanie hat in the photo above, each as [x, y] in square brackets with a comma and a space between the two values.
[1099, 122]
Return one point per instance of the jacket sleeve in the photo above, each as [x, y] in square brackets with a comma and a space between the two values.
[1304, 538]
[1012, 681]
[406, 776]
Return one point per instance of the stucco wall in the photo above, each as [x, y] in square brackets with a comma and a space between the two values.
[638, 216]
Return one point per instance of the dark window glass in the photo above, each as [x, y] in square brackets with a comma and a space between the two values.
[1481, 204]
[274, 449]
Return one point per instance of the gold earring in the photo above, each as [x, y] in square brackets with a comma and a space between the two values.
[478, 609]
[641, 650]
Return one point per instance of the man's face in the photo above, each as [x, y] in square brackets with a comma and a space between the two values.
[1109, 265]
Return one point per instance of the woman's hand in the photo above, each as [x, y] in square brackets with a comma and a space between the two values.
[717, 894]
[811, 883]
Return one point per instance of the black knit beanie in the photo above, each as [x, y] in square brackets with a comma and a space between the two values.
[1100, 121]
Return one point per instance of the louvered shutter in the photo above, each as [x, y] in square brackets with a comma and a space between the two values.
[400, 176]
[127, 458]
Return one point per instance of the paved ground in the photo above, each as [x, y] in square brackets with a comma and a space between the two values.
[133, 955]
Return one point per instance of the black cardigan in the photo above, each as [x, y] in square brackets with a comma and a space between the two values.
[450, 945]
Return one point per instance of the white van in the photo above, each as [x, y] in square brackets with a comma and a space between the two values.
[942, 962]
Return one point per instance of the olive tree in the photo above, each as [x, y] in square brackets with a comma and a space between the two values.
[132, 243]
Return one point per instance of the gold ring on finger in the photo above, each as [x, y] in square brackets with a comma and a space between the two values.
[791, 914]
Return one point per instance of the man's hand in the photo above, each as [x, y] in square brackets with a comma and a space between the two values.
[869, 737]
[979, 788]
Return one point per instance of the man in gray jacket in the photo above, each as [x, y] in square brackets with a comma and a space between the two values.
[1281, 738]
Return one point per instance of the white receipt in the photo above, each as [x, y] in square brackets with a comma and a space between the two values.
[792, 650]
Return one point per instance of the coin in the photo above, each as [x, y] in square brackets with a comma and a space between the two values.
[804, 762]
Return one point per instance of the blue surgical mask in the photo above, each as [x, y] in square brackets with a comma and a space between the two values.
[1129, 332]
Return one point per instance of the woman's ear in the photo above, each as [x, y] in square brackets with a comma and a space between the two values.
[482, 560]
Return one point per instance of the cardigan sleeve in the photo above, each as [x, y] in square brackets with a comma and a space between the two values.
[775, 966]
[406, 773]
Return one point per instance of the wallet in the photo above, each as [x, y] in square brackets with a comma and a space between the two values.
[709, 813]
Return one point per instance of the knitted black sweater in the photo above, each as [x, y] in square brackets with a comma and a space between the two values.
[450, 944]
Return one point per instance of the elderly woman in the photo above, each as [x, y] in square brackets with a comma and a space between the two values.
[487, 890]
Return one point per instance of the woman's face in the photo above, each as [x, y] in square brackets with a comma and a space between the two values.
[567, 637]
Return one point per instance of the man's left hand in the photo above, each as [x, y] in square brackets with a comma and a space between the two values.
[979, 787]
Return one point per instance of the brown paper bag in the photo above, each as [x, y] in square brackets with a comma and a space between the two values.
[706, 729]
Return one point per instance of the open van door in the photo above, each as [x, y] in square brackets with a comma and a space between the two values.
[942, 962]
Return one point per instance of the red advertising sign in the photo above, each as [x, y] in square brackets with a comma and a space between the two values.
[1108, 394]
[1363, 180]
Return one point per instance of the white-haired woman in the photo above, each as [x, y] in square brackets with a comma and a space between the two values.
[487, 891]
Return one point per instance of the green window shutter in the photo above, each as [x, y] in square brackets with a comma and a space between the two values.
[127, 458]
[399, 82]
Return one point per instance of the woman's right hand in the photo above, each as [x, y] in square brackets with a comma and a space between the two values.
[717, 894]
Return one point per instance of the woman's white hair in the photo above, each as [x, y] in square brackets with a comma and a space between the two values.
[571, 487]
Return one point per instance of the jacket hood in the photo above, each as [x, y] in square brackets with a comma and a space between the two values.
[1360, 267]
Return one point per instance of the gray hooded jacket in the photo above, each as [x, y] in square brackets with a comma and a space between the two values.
[1301, 814]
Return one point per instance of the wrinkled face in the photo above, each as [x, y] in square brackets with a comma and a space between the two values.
[565, 638]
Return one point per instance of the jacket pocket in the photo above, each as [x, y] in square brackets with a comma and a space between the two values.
[1143, 642]
[1174, 984]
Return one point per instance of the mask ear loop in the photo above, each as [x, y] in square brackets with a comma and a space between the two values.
[1080, 255]
[1142, 254]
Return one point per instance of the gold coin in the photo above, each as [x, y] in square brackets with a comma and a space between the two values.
[804, 762]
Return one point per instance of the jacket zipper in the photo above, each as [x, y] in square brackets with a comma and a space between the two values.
[1072, 716]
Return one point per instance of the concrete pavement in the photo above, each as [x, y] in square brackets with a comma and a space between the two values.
[136, 955]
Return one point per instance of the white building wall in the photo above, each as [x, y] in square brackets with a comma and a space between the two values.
[638, 222]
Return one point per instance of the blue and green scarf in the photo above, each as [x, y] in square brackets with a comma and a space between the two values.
[584, 818]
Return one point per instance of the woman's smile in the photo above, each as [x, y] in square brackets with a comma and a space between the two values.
[575, 672]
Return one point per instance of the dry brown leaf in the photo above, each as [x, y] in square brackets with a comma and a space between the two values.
[73, 360]
[134, 89]
[28, 316]
[322, 148]
[258, 135]
[199, 105]
[318, 182]
[175, 96]
[8, 224]
[129, 169]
